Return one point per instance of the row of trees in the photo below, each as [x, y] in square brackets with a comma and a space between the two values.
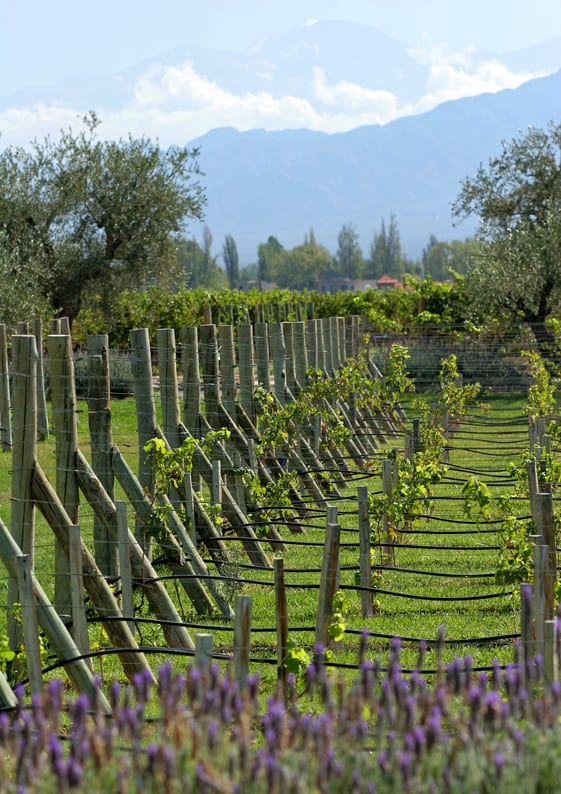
[82, 220]
[304, 265]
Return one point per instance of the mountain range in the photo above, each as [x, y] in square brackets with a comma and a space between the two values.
[283, 183]
[323, 125]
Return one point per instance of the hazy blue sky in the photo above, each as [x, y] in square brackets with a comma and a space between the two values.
[43, 42]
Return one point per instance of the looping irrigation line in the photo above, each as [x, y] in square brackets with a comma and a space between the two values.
[424, 597]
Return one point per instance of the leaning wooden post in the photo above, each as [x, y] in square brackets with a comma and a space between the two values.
[24, 459]
[141, 364]
[78, 612]
[101, 439]
[5, 402]
[328, 583]
[60, 640]
[281, 611]
[242, 639]
[365, 561]
[42, 416]
[29, 624]
[66, 433]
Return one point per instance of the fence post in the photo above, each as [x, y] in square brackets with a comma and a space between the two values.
[24, 459]
[387, 529]
[225, 340]
[99, 421]
[365, 562]
[125, 567]
[29, 623]
[242, 639]
[169, 392]
[328, 583]
[526, 625]
[203, 652]
[5, 402]
[79, 625]
[42, 417]
[141, 365]
[246, 364]
[282, 623]
[66, 433]
[544, 522]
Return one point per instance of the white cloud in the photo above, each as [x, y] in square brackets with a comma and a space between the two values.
[175, 103]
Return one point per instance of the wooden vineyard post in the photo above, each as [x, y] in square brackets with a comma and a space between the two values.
[42, 417]
[300, 351]
[78, 612]
[5, 401]
[328, 583]
[281, 611]
[261, 338]
[29, 624]
[203, 653]
[169, 392]
[540, 577]
[225, 340]
[365, 561]
[527, 637]
[278, 353]
[242, 639]
[99, 421]
[125, 568]
[24, 459]
[246, 367]
[211, 376]
[66, 434]
[141, 364]
[289, 363]
[312, 344]
[544, 504]
[191, 379]
[387, 529]
[551, 655]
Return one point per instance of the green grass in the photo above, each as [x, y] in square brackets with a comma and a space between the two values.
[484, 445]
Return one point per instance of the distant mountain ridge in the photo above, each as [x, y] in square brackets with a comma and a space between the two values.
[324, 75]
[260, 183]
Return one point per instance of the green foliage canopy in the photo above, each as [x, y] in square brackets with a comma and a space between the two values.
[517, 196]
[93, 216]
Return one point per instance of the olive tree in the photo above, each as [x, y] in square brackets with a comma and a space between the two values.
[516, 274]
[96, 216]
